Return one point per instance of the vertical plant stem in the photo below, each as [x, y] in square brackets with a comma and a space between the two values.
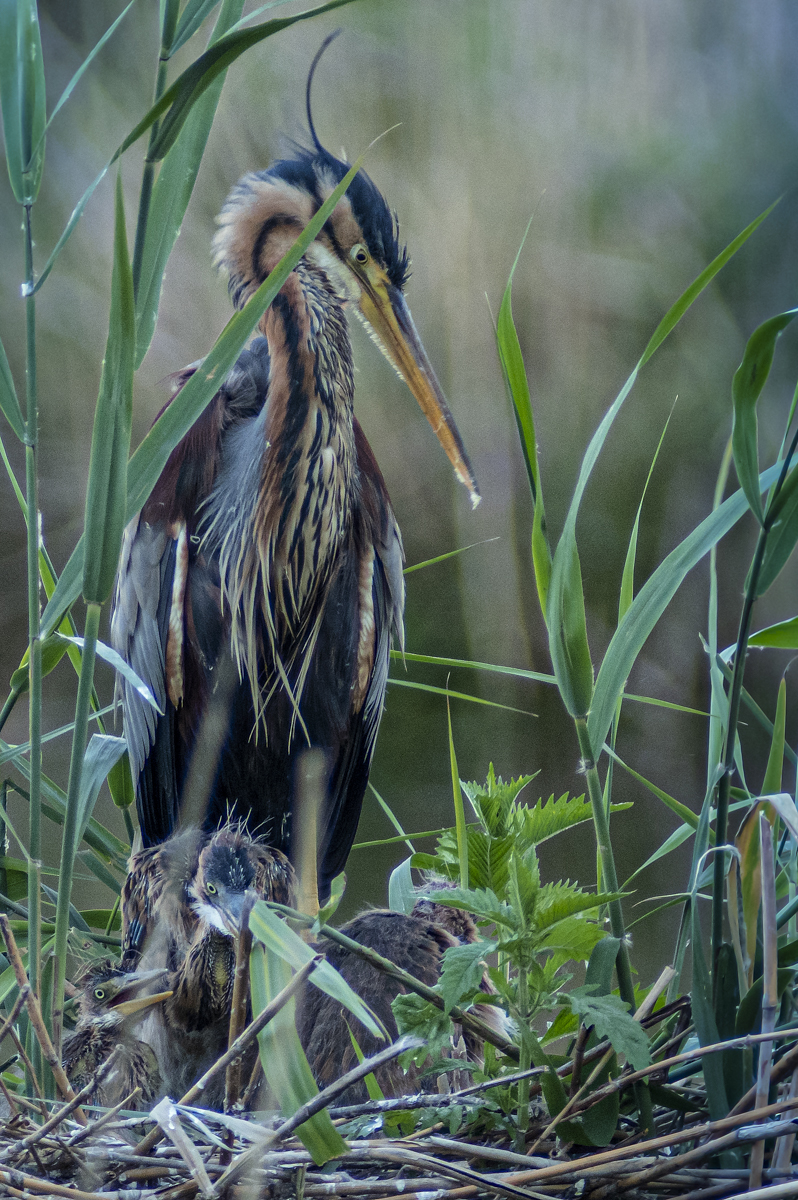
[724, 787]
[148, 173]
[623, 964]
[34, 618]
[525, 1059]
[72, 818]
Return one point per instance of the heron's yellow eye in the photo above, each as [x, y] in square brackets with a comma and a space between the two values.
[212, 889]
[99, 994]
[360, 255]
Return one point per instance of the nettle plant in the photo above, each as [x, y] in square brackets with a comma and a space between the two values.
[535, 933]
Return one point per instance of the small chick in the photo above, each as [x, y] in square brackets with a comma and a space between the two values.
[189, 1032]
[416, 943]
[109, 1012]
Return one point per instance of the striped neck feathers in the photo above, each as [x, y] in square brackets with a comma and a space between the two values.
[281, 508]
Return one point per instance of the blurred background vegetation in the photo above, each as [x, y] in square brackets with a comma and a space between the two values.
[644, 136]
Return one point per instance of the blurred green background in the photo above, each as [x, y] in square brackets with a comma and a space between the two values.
[644, 136]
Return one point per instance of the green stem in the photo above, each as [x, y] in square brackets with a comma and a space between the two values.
[34, 618]
[525, 1059]
[148, 173]
[724, 787]
[623, 964]
[735, 697]
[72, 818]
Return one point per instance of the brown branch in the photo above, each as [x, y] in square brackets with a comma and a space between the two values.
[238, 1004]
[36, 1019]
[253, 1156]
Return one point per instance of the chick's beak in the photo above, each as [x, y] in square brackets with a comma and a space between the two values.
[385, 310]
[127, 1007]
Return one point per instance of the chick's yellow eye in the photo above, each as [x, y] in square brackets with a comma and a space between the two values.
[99, 994]
[212, 889]
[360, 255]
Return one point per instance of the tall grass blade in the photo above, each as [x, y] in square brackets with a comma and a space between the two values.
[172, 189]
[110, 446]
[84, 66]
[652, 600]
[191, 18]
[177, 101]
[749, 380]
[515, 378]
[568, 644]
[9, 404]
[284, 1063]
[459, 810]
[22, 96]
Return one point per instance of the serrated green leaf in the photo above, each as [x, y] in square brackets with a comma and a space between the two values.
[749, 379]
[612, 1020]
[462, 969]
[110, 445]
[483, 903]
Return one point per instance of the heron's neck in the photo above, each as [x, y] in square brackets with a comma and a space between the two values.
[308, 471]
[282, 506]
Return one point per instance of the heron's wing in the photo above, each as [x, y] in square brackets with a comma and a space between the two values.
[150, 623]
[140, 628]
[379, 584]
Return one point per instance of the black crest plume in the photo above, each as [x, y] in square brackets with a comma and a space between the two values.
[329, 38]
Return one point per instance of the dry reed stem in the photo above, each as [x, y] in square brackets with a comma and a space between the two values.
[36, 1019]
[250, 1158]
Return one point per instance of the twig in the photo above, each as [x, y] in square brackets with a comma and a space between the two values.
[254, 1080]
[783, 1156]
[238, 1047]
[252, 1156]
[104, 1119]
[63, 1112]
[37, 1021]
[643, 1011]
[238, 1004]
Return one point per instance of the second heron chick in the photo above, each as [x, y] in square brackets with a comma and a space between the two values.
[112, 1002]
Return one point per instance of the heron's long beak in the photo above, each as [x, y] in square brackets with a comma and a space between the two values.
[385, 309]
[128, 1007]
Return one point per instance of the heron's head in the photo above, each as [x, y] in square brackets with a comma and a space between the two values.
[359, 251]
[232, 866]
[110, 996]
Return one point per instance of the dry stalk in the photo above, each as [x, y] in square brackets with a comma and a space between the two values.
[251, 1158]
[783, 1156]
[36, 1019]
[238, 1005]
[66, 1110]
